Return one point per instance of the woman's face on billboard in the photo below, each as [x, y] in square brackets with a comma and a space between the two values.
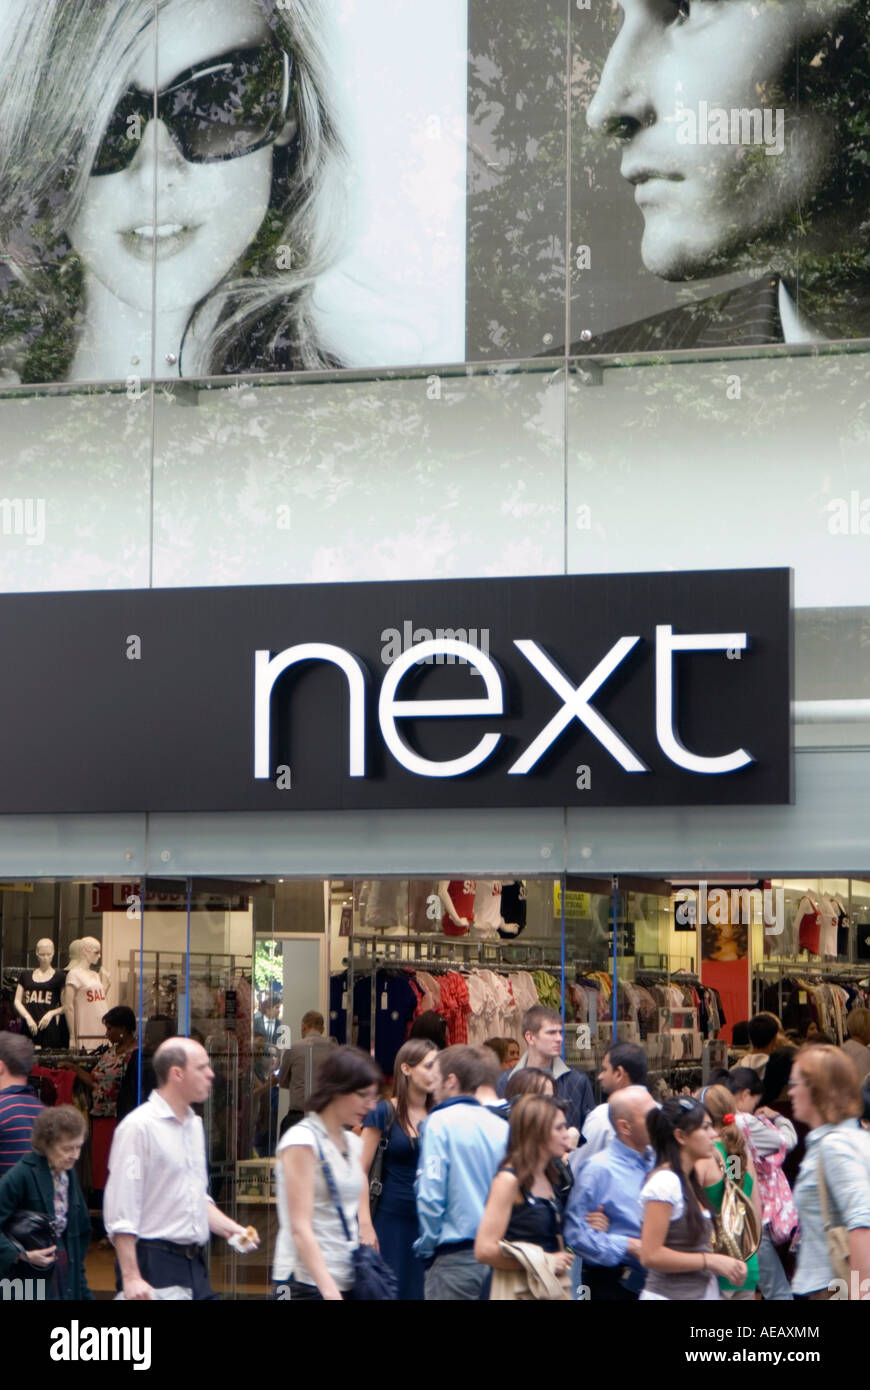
[195, 219]
[677, 78]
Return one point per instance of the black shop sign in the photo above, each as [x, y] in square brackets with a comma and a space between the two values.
[596, 690]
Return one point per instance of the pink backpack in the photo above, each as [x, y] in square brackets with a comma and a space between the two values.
[777, 1203]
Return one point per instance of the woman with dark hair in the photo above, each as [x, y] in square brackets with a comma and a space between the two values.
[43, 1184]
[833, 1187]
[524, 1203]
[432, 1027]
[676, 1239]
[113, 1083]
[393, 1128]
[730, 1145]
[203, 226]
[317, 1157]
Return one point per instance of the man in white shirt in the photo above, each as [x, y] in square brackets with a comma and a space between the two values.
[624, 1065]
[157, 1210]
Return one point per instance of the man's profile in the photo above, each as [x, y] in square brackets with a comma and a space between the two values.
[739, 125]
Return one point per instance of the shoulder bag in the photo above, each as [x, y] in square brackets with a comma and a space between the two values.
[837, 1237]
[373, 1280]
[738, 1225]
[376, 1185]
[777, 1200]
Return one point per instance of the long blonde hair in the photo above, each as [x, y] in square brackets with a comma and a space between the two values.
[64, 66]
[719, 1102]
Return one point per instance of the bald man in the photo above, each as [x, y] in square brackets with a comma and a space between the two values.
[610, 1183]
[157, 1210]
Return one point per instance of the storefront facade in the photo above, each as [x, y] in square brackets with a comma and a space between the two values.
[493, 426]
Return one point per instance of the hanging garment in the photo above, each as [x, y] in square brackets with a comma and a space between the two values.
[809, 924]
[513, 909]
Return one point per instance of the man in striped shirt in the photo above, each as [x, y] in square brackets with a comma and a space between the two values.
[19, 1106]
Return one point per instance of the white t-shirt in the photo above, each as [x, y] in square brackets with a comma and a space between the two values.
[347, 1174]
[665, 1186]
[487, 904]
[89, 1005]
[828, 935]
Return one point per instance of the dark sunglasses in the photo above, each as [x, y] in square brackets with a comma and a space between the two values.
[220, 109]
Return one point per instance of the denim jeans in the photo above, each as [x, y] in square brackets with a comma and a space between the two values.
[771, 1275]
[454, 1276]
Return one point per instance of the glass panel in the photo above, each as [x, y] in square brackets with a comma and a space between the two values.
[430, 187]
[76, 483]
[416, 477]
[832, 678]
[77, 244]
[254, 277]
[716, 464]
[517, 177]
[717, 187]
[442, 933]
[586, 905]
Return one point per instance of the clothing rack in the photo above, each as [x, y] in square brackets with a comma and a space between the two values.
[834, 973]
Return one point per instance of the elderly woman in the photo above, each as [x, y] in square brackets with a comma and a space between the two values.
[43, 1183]
[835, 1173]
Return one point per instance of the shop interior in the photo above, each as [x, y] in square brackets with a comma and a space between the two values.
[671, 963]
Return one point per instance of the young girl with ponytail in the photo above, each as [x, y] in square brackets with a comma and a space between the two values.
[729, 1151]
[676, 1240]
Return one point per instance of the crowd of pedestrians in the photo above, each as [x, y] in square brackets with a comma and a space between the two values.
[475, 1179]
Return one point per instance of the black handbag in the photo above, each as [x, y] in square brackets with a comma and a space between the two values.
[373, 1280]
[31, 1230]
[376, 1185]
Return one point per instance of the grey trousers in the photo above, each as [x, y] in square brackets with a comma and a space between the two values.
[454, 1276]
[771, 1276]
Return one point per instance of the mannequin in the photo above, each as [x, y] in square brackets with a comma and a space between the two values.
[39, 1000]
[84, 996]
[487, 909]
[457, 902]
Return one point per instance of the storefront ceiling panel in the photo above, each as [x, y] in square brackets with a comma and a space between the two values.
[82, 847]
[347, 843]
[826, 831]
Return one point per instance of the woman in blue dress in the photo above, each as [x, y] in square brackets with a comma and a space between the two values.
[395, 1124]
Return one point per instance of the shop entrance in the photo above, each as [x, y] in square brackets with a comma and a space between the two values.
[672, 963]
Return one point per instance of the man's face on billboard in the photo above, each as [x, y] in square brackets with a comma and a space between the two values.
[716, 188]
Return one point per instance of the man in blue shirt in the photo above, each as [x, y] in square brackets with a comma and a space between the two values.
[463, 1145]
[542, 1030]
[610, 1183]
